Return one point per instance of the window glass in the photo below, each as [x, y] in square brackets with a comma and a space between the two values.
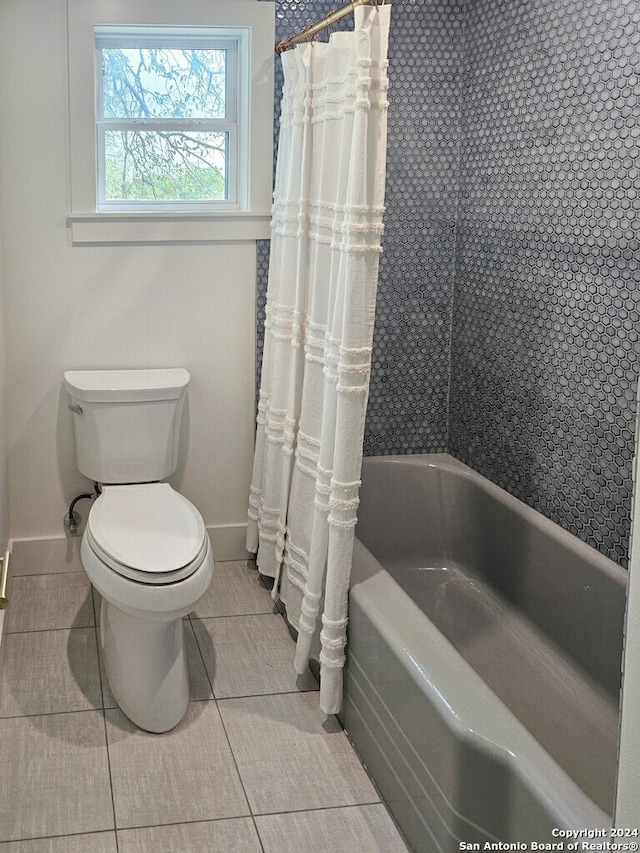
[166, 118]
[167, 165]
[163, 83]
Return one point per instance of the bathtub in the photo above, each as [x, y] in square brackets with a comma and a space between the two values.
[483, 663]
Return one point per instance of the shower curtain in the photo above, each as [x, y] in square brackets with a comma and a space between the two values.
[325, 245]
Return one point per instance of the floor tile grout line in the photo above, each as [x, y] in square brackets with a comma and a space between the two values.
[206, 671]
[240, 779]
[56, 713]
[94, 606]
[322, 808]
[115, 707]
[258, 836]
[199, 618]
[46, 630]
[235, 764]
[113, 799]
[112, 707]
[247, 816]
[219, 819]
[181, 823]
[50, 837]
[79, 572]
[101, 678]
[294, 692]
[118, 829]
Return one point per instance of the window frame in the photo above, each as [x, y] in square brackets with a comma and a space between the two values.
[90, 221]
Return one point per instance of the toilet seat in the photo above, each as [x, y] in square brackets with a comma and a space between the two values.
[147, 532]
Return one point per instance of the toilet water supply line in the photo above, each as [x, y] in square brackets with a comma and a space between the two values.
[72, 519]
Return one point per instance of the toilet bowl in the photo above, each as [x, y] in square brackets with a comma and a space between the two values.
[145, 547]
[147, 552]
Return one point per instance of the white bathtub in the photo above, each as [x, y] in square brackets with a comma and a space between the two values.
[484, 659]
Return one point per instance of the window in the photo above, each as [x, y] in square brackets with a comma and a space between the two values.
[167, 119]
[170, 121]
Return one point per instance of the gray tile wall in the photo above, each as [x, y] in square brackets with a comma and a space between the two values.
[510, 270]
[408, 398]
[544, 359]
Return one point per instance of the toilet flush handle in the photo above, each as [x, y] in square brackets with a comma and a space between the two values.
[75, 408]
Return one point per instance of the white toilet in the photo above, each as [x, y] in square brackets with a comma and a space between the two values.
[145, 546]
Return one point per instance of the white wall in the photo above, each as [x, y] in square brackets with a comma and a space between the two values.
[4, 486]
[627, 814]
[108, 306]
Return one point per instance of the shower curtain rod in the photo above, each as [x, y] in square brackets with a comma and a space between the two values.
[312, 29]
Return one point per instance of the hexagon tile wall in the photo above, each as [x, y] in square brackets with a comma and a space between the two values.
[508, 305]
[547, 306]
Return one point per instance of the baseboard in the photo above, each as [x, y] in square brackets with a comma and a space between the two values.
[229, 542]
[41, 555]
[46, 555]
[3, 648]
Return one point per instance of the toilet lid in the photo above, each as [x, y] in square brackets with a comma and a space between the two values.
[147, 532]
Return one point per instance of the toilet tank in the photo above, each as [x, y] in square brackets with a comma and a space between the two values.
[127, 422]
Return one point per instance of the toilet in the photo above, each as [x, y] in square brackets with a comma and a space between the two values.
[145, 547]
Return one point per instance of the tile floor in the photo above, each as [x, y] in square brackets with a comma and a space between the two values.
[253, 767]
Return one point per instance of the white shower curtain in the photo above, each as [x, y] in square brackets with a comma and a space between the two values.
[325, 245]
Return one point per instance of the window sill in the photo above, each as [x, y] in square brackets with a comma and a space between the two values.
[96, 228]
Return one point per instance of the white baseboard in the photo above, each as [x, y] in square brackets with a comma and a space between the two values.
[228, 542]
[43, 556]
[3, 648]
